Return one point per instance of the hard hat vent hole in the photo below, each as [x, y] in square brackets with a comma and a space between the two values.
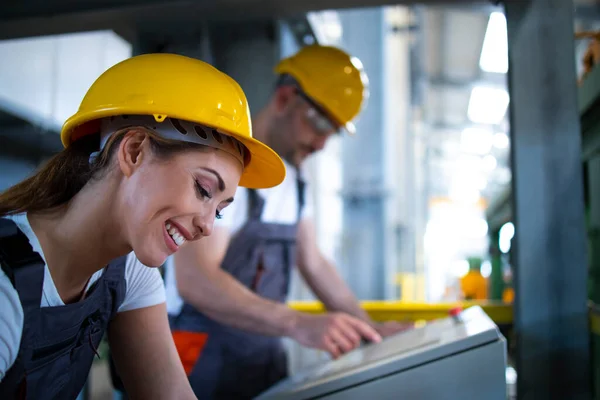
[231, 142]
[217, 136]
[200, 132]
[235, 145]
[178, 126]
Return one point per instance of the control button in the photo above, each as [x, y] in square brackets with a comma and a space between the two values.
[456, 314]
[455, 311]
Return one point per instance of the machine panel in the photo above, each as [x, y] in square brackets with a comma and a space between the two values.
[420, 355]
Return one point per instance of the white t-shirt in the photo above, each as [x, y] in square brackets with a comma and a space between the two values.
[144, 289]
[281, 206]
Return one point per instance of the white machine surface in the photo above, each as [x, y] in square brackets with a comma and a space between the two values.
[459, 357]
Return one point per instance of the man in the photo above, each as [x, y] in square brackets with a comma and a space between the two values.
[226, 293]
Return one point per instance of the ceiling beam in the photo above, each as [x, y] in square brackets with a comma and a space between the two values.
[468, 84]
[34, 18]
[587, 12]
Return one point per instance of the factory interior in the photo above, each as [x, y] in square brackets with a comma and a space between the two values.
[472, 183]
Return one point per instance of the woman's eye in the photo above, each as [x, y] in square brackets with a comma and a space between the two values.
[218, 215]
[201, 191]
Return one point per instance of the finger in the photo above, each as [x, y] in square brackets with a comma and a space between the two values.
[365, 330]
[341, 340]
[404, 325]
[349, 332]
[331, 347]
[407, 322]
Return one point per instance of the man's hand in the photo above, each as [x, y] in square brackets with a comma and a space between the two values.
[389, 328]
[336, 333]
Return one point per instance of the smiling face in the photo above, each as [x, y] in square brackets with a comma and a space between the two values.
[166, 201]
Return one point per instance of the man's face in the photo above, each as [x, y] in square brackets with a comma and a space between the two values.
[301, 128]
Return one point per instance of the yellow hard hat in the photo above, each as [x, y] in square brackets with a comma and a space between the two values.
[331, 78]
[174, 86]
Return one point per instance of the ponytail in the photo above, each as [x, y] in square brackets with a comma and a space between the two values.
[65, 174]
[55, 183]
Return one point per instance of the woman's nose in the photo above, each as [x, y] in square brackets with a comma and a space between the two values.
[204, 224]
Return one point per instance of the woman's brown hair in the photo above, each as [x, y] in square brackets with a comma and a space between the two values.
[65, 174]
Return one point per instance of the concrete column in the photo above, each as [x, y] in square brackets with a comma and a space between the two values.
[399, 151]
[248, 53]
[550, 308]
[376, 162]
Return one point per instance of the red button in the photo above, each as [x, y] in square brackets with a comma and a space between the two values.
[455, 311]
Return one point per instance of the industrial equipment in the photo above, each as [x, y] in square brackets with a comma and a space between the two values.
[462, 357]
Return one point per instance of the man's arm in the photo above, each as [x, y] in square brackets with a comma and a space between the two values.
[204, 285]
[145, 355]
[322, 277]
[210, 289]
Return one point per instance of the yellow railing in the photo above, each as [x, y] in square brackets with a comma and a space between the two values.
[500, 313]
[594, 313]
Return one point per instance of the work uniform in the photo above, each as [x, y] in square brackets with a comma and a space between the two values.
[48, 347]
[224, 362]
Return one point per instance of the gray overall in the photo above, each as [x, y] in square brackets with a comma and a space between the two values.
[58, 344]
[236, 364]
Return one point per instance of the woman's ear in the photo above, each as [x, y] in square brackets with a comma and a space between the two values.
[134, 148]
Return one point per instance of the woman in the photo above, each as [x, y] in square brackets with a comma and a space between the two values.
[154, 154]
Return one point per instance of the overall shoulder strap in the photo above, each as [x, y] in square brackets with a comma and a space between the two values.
[116, 268]
[301, 188]
[21, 264]
[255, 204]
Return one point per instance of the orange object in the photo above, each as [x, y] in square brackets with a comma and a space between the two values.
[189, 346]
[508, 296]
[592, 55]
[474, 286]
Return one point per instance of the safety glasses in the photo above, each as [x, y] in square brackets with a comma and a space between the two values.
[317, 118]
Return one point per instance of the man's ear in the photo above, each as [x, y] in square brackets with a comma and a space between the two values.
[132, 150]
[283, 97]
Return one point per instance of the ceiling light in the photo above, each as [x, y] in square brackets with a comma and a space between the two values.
[476, 140]
[465, 194]
[494, 54]
[487, 105]
[486, 269]
[489, 162]
[501, 140]
[480, 182]
[506, 234]
[460, 268]
[327, 26]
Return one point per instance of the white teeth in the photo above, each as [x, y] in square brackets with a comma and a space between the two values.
[175, 234]
[179, 240]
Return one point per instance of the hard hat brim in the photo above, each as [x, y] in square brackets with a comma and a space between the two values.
[265, 169]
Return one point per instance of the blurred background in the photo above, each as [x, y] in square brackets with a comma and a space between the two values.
[416, 208]
[431, 156]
